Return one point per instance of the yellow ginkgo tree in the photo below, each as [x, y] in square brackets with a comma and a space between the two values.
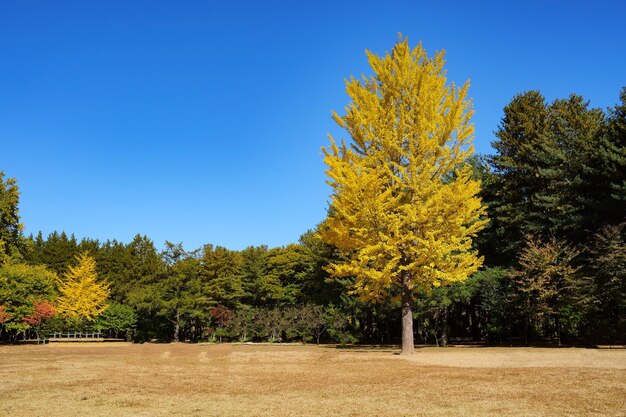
[404, 205]
[82, 296]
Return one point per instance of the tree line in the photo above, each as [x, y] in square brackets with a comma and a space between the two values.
[213, 293]
[550, 235]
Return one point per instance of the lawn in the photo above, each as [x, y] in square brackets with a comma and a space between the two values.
[289, 380]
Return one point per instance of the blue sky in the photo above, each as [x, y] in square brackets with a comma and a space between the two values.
[202, 122]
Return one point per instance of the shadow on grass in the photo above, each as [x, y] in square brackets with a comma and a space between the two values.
[395, 349]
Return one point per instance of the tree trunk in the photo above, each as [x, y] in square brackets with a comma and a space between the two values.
[177, 328]
[444, 328]
[408, 346]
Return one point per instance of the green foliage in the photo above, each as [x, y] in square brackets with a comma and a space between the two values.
[318, 287]
[335, 325]
[221, 275]
[567, 203]
[117, 320]
[434, 308]
[286, 266]
[517, 165]
[493, 298]
[21, 286]
[306, 322]
[559, 170]
[241, 325]
[57, 252]
[253, 269]
[608, 290]
[278, 276]
[178, 295]
[609, 166]
[10, 226]
[116, 265]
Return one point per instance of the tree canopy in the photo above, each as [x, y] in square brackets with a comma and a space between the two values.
[404, 206]
[82, 296]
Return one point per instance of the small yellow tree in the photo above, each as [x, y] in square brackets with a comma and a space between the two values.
[82, 296]
[404, 206]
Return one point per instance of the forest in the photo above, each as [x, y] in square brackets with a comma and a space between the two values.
[553, 248]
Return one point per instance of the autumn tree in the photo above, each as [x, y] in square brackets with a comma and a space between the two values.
[221, 316]
[404, 209]
[5, 316]
[548, 284]
[83, 297]
[21, 286]
[42, 310]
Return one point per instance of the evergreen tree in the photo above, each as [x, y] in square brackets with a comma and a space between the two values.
[494, 302]
[566, 203]
[10, 226]
[610, 167]
[550, 178]
[317, 285]
[253, 269]
[607, 266]
[517, 164]
[59, 251]
[487, 241]
[116, 267]
[35, 254]
[177, 294]
[221, 275]
[286, 272]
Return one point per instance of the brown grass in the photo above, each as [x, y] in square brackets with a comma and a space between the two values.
[253, 380]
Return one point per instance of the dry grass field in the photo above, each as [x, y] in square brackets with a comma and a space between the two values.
[253, 380]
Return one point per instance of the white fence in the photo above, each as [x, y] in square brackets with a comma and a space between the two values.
[76, 335]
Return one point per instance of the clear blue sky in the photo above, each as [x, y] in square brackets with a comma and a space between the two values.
[202, 122]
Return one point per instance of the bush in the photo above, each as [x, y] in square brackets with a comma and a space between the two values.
[117, 320]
